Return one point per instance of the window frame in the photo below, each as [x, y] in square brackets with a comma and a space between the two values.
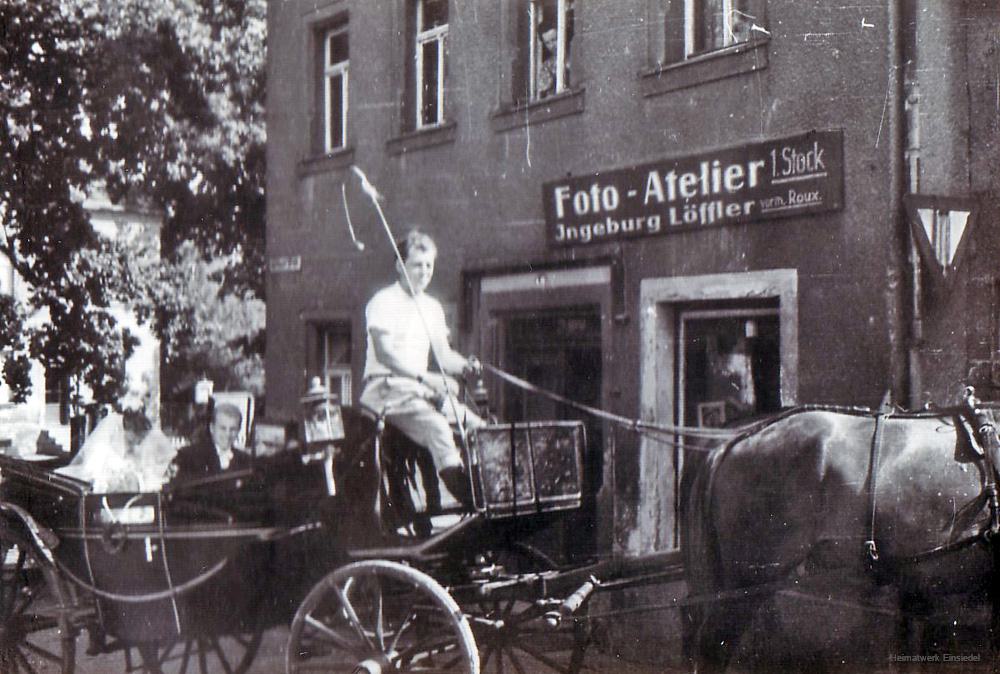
[322, 330]
[694, 19]
[535, 46]
[421, 37]
[330, 72]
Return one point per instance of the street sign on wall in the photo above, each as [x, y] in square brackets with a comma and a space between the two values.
[799, 175]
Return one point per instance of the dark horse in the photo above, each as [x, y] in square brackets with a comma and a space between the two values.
[785, 511]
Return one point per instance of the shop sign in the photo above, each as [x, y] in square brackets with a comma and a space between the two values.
[795, 176]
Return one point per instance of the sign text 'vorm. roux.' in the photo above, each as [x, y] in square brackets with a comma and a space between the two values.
[778, 178]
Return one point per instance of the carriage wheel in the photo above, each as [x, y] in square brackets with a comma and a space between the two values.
[35, 630]
[512, 633]
[373, 617]
[230, 653]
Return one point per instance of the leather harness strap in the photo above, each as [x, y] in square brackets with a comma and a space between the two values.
[870, 547]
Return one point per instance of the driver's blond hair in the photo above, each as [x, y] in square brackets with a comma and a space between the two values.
[416, 241]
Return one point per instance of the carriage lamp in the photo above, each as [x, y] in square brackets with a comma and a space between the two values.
[322, 425]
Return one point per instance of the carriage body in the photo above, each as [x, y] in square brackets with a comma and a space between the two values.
[155, 565]
[198, 557]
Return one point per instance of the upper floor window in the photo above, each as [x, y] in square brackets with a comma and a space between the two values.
[431, 32]
[716, 24]
[545, 48]
[335, 87]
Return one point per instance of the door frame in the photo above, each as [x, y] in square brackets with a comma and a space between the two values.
[657, 521]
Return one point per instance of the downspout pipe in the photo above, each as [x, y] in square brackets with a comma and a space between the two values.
[899, 235]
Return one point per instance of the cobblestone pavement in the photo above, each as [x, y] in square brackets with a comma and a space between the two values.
[271, 660]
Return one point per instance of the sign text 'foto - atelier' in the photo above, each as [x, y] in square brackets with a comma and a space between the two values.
[749, 183]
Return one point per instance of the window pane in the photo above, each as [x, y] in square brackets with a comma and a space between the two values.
[336, 345]
[741, 19]
[548, 68]
[435, 13]
[569, 42]
[709, 28]
[338, 48]
[429, 74]
[335, 119]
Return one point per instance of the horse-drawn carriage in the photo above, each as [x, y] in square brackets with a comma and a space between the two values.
[335, 541]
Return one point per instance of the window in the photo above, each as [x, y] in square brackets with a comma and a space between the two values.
[545, 49]
[699, 41]
[334, 358]
[335, 87]
[716, 24]
[431, 31]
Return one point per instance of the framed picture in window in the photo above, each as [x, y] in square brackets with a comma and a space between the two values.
[712, 414]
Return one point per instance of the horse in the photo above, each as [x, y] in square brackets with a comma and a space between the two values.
[885, 514]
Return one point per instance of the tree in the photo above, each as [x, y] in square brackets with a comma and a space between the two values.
[47, 159]
[209, 332]
[183, 104]
[156, 99]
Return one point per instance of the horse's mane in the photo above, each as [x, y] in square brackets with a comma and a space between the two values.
[748, 427]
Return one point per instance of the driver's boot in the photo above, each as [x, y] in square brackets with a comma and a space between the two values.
[457, 482]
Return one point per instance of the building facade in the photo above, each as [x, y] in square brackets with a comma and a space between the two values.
[684, 211]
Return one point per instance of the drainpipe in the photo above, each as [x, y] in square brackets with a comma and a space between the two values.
[898, 239]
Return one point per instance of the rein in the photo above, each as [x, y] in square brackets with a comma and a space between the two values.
[636, 425]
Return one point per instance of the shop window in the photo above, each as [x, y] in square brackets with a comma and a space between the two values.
[545, 38]
[334, 90]
[730, 365]
[333, 358]
[430, 31]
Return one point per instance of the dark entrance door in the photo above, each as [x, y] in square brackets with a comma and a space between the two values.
[559, 350]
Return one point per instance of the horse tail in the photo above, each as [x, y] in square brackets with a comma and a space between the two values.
[699, 546]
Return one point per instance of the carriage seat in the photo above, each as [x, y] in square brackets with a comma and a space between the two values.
[412, 485]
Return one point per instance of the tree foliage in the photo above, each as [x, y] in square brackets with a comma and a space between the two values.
[159, 100]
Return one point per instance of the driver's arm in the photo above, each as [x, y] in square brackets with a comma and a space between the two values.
[452, 362]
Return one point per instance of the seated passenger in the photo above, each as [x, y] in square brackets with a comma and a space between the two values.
[214, 452]
[404, 325]
[123, 454]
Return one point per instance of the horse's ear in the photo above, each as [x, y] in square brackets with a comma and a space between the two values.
[885, 406]
[966, 447]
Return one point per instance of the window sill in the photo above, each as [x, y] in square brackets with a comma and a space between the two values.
[717, 65]
[538, 112]
[339, 159]
[418, 140]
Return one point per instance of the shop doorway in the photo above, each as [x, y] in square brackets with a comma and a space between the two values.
[715, 349]
[552, 327]
[559, 350]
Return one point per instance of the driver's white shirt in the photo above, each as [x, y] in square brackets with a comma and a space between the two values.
[409, 322]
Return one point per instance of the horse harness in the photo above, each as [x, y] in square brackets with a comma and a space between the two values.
[982, 433]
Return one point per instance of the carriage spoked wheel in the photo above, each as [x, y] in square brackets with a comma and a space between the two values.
[231, 653]
[373, 617]
[35, 630]
[512, 632]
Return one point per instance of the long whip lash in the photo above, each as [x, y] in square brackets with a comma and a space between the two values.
[350, 226]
